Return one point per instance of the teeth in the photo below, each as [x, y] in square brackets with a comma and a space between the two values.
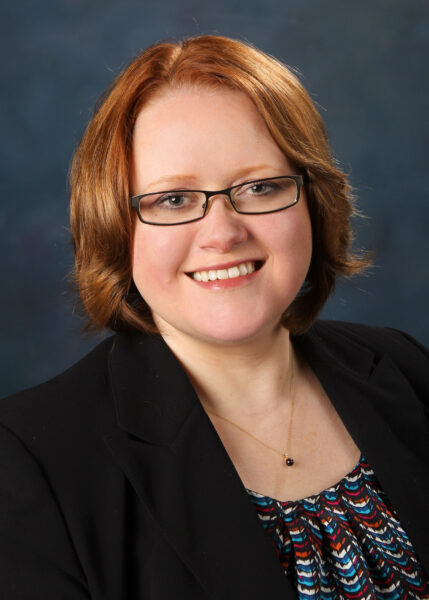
[231, 273]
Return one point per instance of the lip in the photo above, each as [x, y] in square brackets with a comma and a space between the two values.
[228, 265]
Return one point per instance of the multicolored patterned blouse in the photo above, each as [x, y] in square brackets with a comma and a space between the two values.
[344, 542]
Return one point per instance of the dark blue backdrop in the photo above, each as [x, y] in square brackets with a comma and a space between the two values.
[364, 63]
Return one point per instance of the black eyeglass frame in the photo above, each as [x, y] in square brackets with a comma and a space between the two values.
[299, 180]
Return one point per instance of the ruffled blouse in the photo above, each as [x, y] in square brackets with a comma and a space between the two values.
[345, 542]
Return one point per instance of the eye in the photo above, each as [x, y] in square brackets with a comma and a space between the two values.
[261, 188]
[172, 200]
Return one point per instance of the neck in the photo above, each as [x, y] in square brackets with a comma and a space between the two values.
[249, 379]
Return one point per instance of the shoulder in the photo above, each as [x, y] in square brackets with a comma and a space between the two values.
[65, 410]
[380, 340]
[408, 354]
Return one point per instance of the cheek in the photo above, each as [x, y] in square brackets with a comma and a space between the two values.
[292, 250]
[290, 239]
[157, 257]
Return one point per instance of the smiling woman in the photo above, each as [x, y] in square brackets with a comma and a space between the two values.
[223, 443]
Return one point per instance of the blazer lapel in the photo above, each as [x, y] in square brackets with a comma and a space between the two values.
[386, 420]
[174, 459]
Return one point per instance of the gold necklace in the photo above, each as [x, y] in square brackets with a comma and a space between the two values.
[289, 461]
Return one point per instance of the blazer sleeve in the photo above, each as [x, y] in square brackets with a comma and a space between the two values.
[37, 558]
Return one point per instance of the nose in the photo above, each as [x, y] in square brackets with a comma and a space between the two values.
[222, 227]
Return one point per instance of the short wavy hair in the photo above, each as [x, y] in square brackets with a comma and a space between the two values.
[103, 223]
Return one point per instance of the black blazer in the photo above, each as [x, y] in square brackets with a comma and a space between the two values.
[114, 485]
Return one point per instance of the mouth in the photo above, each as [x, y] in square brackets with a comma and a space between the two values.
[233, 272]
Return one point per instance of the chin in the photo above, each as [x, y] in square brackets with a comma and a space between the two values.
[229, 333]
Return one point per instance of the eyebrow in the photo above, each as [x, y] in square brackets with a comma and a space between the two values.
[180, 177]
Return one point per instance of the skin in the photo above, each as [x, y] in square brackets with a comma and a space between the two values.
[203, 139]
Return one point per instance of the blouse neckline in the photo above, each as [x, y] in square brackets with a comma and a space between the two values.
[316, 496]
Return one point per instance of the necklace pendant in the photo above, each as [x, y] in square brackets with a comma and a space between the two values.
[289, 461]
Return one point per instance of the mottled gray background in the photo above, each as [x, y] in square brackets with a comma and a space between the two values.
[365, 64]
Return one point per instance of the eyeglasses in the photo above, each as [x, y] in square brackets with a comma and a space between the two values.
[176, 207]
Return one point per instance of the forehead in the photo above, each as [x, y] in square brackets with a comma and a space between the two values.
[173, 100]
[201, 132]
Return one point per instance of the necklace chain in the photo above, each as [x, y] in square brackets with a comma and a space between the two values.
[285, 454]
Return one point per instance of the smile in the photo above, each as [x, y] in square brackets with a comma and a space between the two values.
[239, 270]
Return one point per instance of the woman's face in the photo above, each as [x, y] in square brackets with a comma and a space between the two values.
[200, 139]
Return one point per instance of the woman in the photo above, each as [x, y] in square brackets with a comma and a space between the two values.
[222, 444]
